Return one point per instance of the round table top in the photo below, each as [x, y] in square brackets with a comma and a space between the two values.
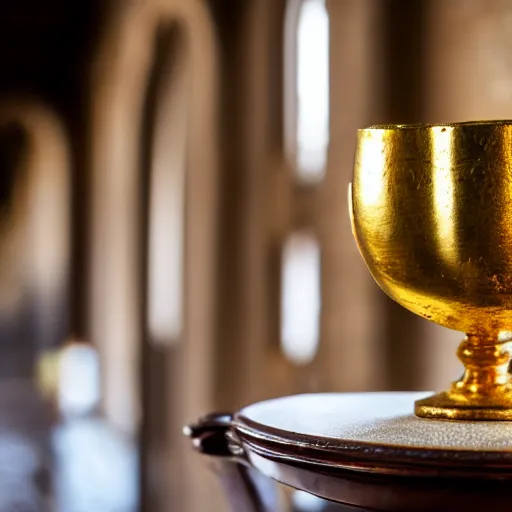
[375, 432]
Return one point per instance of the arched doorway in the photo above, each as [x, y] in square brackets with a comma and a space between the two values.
[35, 233]
[164, 163]
[122, 307]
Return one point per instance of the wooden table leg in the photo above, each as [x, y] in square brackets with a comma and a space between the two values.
[246, 490]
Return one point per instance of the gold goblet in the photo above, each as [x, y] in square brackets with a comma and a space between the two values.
[431, 210]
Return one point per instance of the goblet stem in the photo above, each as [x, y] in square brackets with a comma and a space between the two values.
[485, 390]
[486, 362]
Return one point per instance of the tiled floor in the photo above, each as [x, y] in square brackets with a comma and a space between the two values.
[95, 469]
[77, 466]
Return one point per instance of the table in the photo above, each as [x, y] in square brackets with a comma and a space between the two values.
[362, 449]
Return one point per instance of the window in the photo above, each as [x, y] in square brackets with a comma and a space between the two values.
[300, 300]
[306, 108]
[307, 88]
[167, 187]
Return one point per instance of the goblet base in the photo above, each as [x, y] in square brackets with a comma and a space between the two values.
[452, 406]
[485, 390]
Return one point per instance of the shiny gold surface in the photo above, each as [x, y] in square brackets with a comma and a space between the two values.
[432, 216]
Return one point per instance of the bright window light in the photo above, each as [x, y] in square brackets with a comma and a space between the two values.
[312, 83]
[300, 300]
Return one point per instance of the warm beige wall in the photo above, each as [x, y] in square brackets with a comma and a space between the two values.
[351, 319]
[469, 64]
[352, 316]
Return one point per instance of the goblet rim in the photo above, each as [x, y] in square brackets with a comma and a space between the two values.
[456, 124]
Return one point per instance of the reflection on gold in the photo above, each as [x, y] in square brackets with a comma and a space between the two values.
[505, 230]
[463, 281]
[371, 165]
[444, 190]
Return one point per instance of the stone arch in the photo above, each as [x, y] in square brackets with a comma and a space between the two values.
[121, 75]
[35, 240]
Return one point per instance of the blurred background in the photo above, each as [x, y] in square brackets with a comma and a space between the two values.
[174, 232]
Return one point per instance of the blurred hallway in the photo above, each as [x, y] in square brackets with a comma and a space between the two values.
[174, 228]
[77, 465]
